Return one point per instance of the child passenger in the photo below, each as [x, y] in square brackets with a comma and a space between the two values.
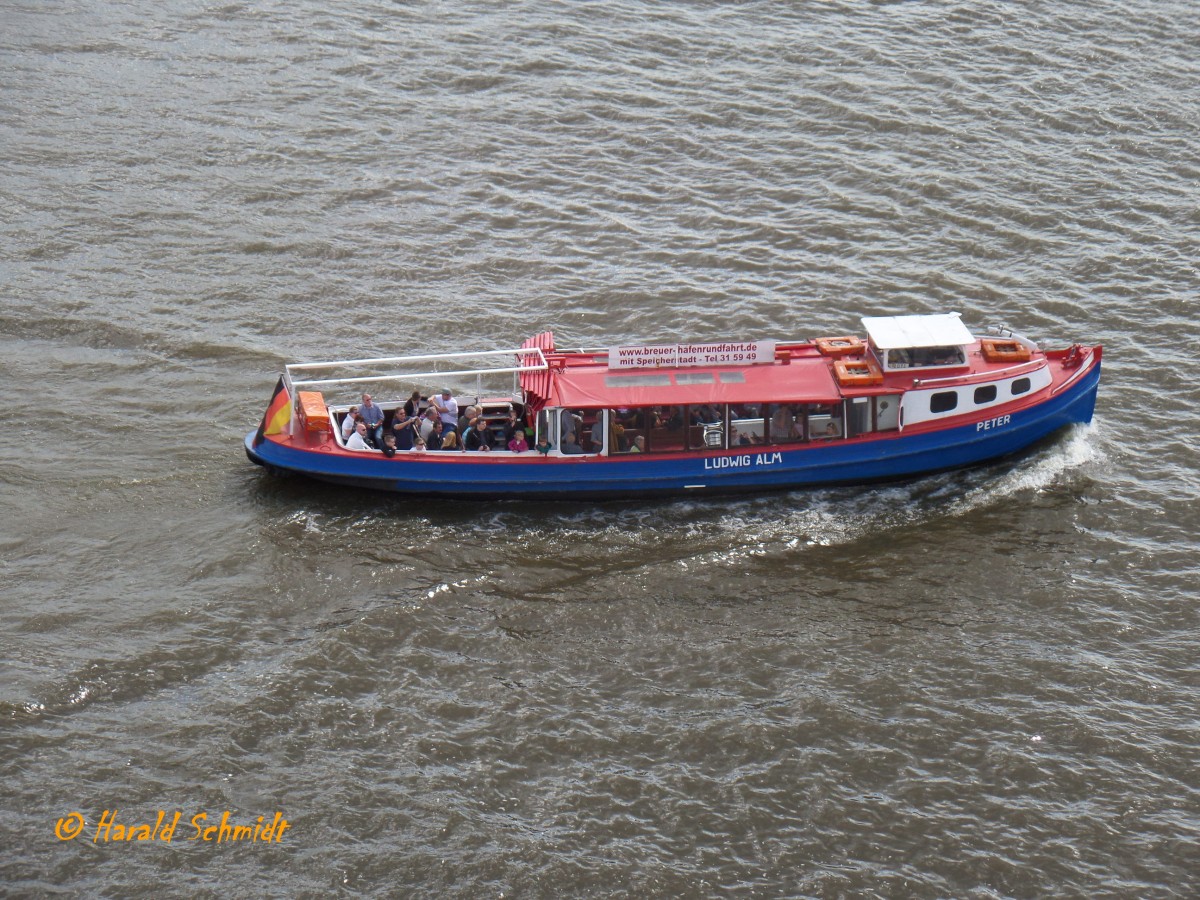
[518, 444]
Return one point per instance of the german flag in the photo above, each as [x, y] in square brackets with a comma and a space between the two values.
[279, 413]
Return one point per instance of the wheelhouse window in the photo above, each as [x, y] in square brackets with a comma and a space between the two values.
[925, 357]
[943, 401]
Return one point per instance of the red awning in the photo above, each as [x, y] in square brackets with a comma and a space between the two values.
[595, 386]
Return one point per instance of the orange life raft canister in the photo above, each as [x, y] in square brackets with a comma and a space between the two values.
[1004, 351]
[839, 346]
[857, 372]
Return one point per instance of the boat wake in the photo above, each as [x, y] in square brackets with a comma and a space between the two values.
[664, 548]
[725, 532]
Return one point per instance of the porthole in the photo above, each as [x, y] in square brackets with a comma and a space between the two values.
[985, 394]
[943, 402]
[1020, 386]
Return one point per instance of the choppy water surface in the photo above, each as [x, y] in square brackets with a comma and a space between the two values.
[976, 685]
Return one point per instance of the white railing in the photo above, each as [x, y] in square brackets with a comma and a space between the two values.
[1030, 365]
[531, 359]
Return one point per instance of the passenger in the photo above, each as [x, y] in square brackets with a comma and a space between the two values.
[639, 444]
[437, 433]
[543, 446]
[431, 416]
[832, 430]
[518, 444]
[348, 423]
[412, 406]
[743, 439]
[570, 444]
[404, 426]
[467, 420]
[477, 438]
[510, 427]
[447, 408]
[373, 416]
[358, 440]
[389, 445]
[569, 423]
[450, 441]
[783, 425]
[419, 444]
[598, 433]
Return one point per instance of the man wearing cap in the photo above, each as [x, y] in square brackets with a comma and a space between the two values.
[447, 408]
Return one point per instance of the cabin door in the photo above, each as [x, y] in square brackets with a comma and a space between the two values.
[887, 412]
[858, 416]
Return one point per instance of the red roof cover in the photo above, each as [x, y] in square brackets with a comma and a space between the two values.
[583, 383]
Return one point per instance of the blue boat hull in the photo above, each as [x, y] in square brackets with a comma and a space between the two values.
[900, 455]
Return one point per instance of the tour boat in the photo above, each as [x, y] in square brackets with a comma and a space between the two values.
[915, 395]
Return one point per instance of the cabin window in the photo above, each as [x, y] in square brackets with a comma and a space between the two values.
[1020, 386]
[569, 422]
[668, 429]
[943, 401]
[822, 422]
[673, 429]
[706, 428]
[594, 426]
[626, 425]
[746, 424]
[653, 429]
[785, 424]
[985, 394]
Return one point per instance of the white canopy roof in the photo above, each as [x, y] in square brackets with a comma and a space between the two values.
[904, 332]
